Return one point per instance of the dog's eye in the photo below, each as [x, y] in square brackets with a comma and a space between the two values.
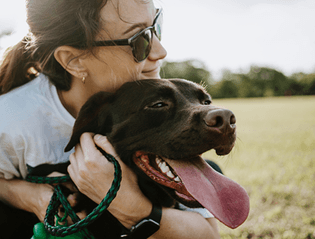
[158, 105]
[207, 102]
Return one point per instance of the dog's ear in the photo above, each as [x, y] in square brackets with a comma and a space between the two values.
[87, 120]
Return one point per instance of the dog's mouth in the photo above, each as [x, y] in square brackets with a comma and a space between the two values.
[224, 149]
[156, 168]
[193, 182]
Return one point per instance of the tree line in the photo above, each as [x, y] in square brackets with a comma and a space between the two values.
[257, 82]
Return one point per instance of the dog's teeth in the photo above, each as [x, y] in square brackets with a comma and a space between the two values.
[170, 174]
[177, 179]
[158, 160]
[164, 167]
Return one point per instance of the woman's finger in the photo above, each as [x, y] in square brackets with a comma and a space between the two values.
[102, 142]
[73, 167]
[75, 156]
[88, 147]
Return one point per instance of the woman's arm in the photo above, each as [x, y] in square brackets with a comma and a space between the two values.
[32, 197]
[93, 175]
[26, 196]
[177, 224]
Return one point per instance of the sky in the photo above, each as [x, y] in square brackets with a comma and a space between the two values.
[224, 34]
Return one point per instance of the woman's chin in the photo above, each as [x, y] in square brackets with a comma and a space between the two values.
[151, 75]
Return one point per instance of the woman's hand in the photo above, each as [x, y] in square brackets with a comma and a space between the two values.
[71, 197]
[93, 175]
[31, 197]
[44, 193]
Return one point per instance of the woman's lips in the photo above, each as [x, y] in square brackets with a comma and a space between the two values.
[155, 70]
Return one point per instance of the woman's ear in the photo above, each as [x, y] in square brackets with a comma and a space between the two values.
[70, 59]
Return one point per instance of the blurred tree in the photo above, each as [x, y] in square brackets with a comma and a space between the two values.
[303, 84]
[193, 70]
[296, 87]
[258, 82]
[5, 33]
[227, 87]
[246, 86]
[268, 82]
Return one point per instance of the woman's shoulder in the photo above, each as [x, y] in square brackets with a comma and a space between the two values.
[39, 85]
[24, 102]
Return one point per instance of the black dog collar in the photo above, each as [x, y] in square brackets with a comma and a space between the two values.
[146, 227]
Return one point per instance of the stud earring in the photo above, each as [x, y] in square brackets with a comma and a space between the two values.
[83, 79]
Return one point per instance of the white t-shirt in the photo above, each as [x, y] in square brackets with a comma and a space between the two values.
[34, 130]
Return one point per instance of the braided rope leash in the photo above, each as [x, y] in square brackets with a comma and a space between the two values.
[59, 198]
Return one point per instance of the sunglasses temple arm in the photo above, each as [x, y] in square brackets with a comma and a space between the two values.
[112, 43]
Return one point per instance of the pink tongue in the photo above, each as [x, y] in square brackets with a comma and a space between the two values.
[224, 198]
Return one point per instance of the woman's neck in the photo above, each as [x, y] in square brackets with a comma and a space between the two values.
[73, 99]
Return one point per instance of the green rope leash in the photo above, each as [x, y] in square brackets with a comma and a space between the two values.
[59, 198]
[48, 180]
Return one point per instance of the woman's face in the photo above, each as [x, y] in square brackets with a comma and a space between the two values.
[114, 65]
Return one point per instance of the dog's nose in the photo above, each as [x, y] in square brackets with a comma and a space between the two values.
[222, 119]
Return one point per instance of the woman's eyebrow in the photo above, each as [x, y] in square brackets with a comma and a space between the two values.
[138, 25]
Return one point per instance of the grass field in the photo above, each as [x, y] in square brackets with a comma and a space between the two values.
[274, 160]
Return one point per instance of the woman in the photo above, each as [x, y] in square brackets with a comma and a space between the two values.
[65, 47]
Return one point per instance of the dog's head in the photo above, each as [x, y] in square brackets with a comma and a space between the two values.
[160, 128]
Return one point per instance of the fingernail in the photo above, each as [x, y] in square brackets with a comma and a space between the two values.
[70, 197]
[98, 137]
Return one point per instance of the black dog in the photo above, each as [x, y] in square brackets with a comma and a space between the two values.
[159, 127]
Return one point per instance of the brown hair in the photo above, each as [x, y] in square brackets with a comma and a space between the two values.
[52, 23]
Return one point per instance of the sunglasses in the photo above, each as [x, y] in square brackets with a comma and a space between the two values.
[141, 42]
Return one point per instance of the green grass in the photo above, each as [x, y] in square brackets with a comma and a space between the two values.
[274, 160]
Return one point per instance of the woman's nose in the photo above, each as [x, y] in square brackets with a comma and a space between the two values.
[157, 52]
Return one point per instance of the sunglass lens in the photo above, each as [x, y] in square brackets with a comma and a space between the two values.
[142, 45]
[158, 31]
[158, 26]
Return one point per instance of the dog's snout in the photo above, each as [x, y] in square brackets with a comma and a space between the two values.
[221, 119]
